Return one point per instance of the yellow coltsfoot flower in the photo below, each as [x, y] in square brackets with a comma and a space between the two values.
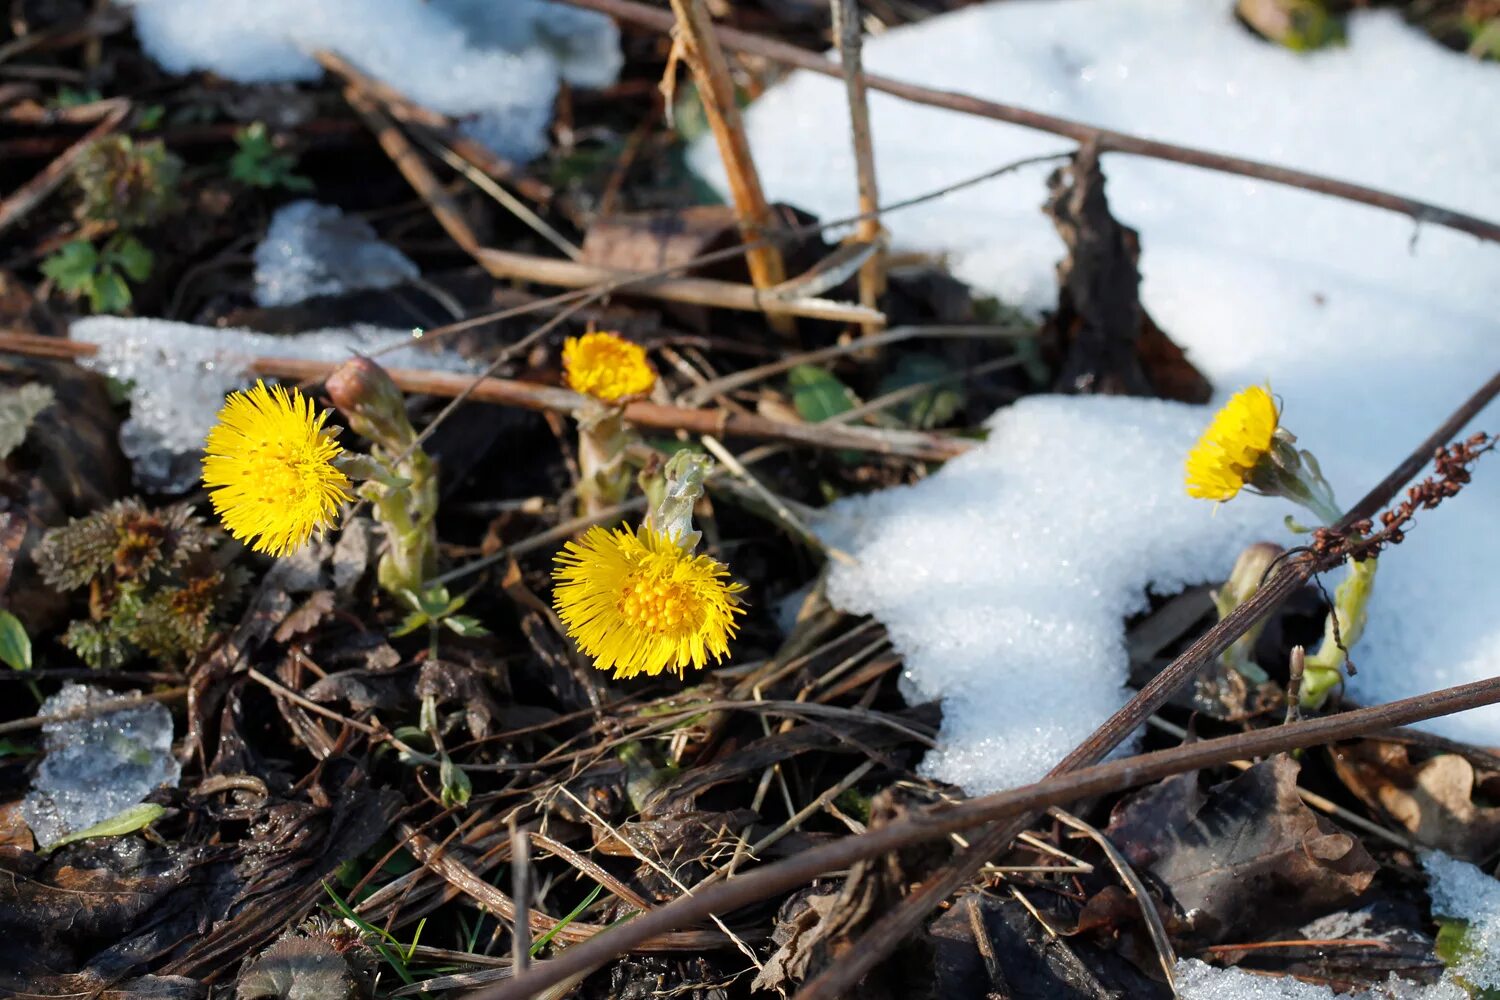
[1240, 437]
[1247, 446]
[269, 463]
[639, 604]
[606, 367]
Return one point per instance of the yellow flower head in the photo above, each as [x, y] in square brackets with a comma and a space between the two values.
[269, 463]
[639, 604]
[606, 367]
[1239, 437]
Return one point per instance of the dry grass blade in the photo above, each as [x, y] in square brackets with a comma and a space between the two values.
[698, 43]
[850, 39]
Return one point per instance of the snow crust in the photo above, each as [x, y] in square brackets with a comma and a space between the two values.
[177, 374]
[1003, 578]
[96, 767]
[496, 63]
[1198, 981]
[313, 249]
[1461, 891]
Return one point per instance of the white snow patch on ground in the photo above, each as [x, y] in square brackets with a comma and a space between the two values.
[314, 249]
[1003, 578]
[1461, 891]
[495, 63]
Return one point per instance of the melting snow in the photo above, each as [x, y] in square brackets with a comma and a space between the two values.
[96, 767]
[1005, 576]
[495, 62]
[313, 249]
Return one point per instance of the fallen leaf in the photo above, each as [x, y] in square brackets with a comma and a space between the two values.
[1433, 800]
[1249, 846]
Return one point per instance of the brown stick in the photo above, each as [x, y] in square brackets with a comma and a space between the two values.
[26, 197]
[694, 32]
[851, 45]
[534, 396]
[896, 925]
[1117, 775]
[1107, 139]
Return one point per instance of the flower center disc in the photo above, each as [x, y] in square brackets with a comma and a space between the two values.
[659, 605]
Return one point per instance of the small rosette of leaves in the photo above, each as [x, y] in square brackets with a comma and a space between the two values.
[100, 273]
[126, 183]
[155, 586]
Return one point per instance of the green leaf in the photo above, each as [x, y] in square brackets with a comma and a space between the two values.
[1455, 946]
[541, 942]
[10, 748]
[817, 395]
[72, 266]
[133, 258]
[465, 625]
[151, 116]
[939, 403]
[409, 624]
[456, 785]
[109, 293]
[69, 97]
[132, 819]
[258, 163]
[15, 644]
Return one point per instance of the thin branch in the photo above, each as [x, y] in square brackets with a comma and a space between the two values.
[850, 40]
[1108, 140]
[694, 37]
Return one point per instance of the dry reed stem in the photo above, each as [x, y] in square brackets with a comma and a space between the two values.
[846, 31]
[694, 32]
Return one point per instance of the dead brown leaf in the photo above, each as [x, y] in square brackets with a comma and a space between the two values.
[1433, 800]
[1249, 846]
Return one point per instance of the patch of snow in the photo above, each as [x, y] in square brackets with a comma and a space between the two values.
[1463, 892]
[96, 767]
[495, 63]
[1197, 981]
[313, 249]
[1004, 577]
[177, 375]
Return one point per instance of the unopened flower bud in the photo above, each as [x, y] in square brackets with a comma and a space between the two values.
[373, 404]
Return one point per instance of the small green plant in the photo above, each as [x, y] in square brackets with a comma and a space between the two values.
[258, 163]
[154, 587]
[72, 97]
[15, 644]
[128, 184]
[99, 273]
